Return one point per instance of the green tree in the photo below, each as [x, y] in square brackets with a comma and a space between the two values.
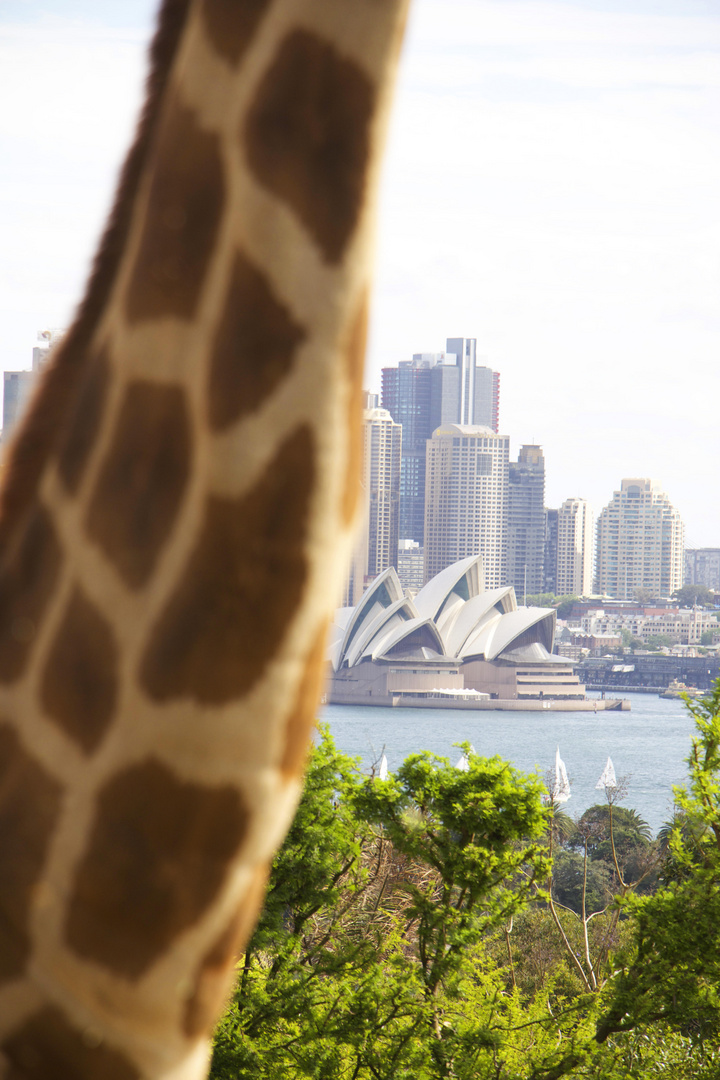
[564, 604]
[369, 961]
[320, 994]
[546, 599]
[574, 883]
[630, 641]
[687, 595]
[672, 974]
[660, 641]
[468, 826]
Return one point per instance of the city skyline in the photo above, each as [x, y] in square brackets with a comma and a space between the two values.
[549, 189]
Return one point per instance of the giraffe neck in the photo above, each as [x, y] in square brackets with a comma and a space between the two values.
[177, 514]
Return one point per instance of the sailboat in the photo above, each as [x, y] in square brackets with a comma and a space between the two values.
[561, 786]
[462, 763]
[383, 769]
[607, 779]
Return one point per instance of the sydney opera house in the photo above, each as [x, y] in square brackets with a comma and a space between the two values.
[454, 644]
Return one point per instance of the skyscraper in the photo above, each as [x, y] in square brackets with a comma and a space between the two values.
[466, 500]
[478, 386]
[640, 542]
[424, 393]
[526, 521]
[377, 544]
[574, 548]
[18, 386]
[407, 396]
[551, 552]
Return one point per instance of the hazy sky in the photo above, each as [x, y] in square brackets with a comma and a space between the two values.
[552, 188]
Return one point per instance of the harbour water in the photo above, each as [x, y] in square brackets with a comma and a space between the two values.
[648, 745]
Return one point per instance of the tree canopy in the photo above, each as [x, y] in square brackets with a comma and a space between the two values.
[454, 923]
[687, 595]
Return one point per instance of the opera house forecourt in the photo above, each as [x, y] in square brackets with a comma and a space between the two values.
[455, 645]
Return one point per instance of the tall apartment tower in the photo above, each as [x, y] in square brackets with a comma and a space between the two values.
[575, 543]
[377, 546]
[640, 542]
[702, 567]
[466, 485]
[425, 393]
[526, 522]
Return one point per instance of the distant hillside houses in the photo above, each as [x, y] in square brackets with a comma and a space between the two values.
[683, 626]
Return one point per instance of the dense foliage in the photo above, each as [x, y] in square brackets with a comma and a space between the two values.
[454, 923]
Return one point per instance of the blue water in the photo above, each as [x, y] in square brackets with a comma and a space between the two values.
[648, 745]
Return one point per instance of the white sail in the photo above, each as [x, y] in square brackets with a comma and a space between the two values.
[607, 780]
[561, 787]
[463, 764]
[383, 770]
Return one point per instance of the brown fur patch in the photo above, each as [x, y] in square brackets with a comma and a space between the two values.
[303, 714]
[254, 346]
[355, 365]
[48, 1047]
[214, 976]
[187, 195]
[240, 589]
[306, 137]
[142, 480]
[83, 426]
[79, 685]
[231, 24]
[157, 856]
[27, 578]
[43, 424]
[29, 804]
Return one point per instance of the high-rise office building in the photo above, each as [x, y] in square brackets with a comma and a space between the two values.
[551, 552]
[526, 522]
[478, 386]
[640, 542]
[424, 393]
[18, 386]
[377, 544]
[407, 395]
[17, 391]
[575, 543]
[466, 500]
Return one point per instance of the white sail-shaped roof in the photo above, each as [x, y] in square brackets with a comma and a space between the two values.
[465, 579]
[476, 614]
[385, 591]
[515, 624]
[371, 640]
[419, 637]
[451, 617]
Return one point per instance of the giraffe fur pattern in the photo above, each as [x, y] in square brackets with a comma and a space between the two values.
[177, 511]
